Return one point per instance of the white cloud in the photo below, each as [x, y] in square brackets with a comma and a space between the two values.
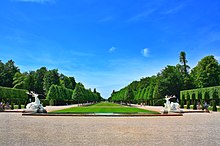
[112, 49]
[145, 52]
[36, 1]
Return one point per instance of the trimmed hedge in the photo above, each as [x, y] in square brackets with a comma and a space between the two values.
[61, 95]
[210, 91]
[211, 94]
[13, 94]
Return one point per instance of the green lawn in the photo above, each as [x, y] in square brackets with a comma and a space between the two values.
[105, 104]
[16, 106]
[104, 107]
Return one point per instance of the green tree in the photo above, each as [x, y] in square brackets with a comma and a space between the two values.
[51, 77]
[29, 81]
[2, 73]
[9, 71]
[184, 69]
[72, 84]
[129, 95]
[68, 82]
[78, 93]
[39, 80]
[169, 82]
[19, 80]
[206, 73]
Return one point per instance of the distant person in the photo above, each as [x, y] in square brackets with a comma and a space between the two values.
[7, 106]
[206, 106]
[1, 106]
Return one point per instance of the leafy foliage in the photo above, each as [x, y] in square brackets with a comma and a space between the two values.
[206, 73]
[7, 72]
[173, 79]
[47, 83]
[78, 95]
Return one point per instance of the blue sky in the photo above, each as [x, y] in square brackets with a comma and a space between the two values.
[106, 44]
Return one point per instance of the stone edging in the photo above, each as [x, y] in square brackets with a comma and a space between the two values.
[104, 115]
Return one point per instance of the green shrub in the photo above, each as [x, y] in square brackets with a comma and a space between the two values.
[19, 105]
[12, 105]
[51, 102]
[181, 104]
[194, 105]
[214, 108]
[45, 102]
[25, 104]
[188, 104]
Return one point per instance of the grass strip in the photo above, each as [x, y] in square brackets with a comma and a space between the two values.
[104, 108]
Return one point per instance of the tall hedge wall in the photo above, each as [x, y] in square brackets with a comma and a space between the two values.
[12, 93]
[59, 93]
[201, 93]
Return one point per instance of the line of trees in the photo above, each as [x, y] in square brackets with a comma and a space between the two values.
[61, 95]
[170, 81]
[39, 81]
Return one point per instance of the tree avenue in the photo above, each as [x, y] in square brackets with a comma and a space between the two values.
[53, 88]
[170, 81]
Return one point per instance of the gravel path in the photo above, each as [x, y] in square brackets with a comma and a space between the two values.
[188, 130]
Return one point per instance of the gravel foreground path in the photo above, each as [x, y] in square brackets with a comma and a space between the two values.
[188, 130]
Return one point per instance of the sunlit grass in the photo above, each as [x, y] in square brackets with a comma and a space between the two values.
[104, 107]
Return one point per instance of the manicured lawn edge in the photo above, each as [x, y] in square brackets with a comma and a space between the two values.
[104, 108]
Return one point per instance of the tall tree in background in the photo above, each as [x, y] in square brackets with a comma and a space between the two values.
[51, 77]
[29, 81]
[78, 93]
[129, 95]
[184, 69]
[39, 80]
[170, 81]
[206, 73]
[19, 80]
[72, 84]
[68, 82]
[9, 71]
[2, 73]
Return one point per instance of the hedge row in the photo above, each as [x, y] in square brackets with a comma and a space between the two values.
[212, 94]
[12, 93]
[60, 94]
[201, 93]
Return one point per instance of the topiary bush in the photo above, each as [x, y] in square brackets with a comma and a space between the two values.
[194, 105]
[19, 105]
[181, 104]
[45, 102]
[188, 104]
[12, 106]
[214, 108]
